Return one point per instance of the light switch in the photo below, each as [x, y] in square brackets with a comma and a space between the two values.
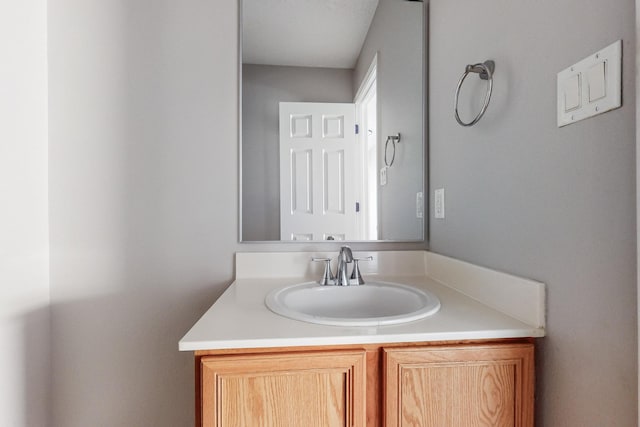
[572, 93]
[596, 79]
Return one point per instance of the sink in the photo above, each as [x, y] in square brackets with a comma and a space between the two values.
[371, 304]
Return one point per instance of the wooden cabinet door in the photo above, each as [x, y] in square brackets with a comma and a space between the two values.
[322, 389]
[459, 386]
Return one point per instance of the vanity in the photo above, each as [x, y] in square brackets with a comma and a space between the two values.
[469, 363]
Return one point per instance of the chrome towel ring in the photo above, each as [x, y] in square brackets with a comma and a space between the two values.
[393, 139]
[485, 70]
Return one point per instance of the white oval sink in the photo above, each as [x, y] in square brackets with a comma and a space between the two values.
[371, 304]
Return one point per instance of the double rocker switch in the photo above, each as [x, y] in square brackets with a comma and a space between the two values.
[591, 86]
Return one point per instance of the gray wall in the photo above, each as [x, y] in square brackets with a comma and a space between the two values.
[553, 204]
[263, 88]
[396, 34]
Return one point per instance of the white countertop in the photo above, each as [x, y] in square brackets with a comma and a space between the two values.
[240, 319]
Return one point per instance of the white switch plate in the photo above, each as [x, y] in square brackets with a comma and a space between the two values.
[419, 205]
[439, 204]
[598, 82]
[383, 176]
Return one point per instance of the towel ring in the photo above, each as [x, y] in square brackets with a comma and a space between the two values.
[393, 139]
[485, 70]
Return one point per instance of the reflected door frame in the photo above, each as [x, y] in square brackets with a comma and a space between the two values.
[367, 165]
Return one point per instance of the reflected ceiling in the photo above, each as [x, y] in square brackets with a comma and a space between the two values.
[328, 33]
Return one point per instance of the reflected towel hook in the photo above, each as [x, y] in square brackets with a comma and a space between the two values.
[393, 139]
[485, 70]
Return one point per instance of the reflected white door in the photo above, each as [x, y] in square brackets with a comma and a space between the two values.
[317, 178]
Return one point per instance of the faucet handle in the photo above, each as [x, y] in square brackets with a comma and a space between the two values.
[356, 277]
[327, 276]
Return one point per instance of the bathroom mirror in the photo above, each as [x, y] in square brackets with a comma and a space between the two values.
[333, 120]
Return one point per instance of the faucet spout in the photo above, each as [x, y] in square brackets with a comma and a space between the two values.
[344, 258]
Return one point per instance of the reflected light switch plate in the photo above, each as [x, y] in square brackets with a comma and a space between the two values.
[383, 176]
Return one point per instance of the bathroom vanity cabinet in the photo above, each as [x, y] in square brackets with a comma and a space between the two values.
[484, 383]
[469, 364]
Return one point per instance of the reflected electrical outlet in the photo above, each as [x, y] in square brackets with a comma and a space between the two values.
[439, 203]
[419, 205]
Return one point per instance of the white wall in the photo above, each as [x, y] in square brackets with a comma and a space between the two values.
[24, 285]
[554, 204]
[143, 200]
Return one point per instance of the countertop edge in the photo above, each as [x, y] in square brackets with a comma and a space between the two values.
[361, 340]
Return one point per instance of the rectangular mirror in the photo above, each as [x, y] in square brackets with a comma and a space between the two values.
[333, 120]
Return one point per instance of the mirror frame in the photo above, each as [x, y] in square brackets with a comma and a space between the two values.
[425, 145]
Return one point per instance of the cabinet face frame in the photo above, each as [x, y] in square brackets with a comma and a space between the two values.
[218, 372]
[413, 373]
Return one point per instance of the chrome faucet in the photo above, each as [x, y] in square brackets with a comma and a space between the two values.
[342, 277]
[345, 257]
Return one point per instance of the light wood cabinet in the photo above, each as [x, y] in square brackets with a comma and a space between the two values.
[395, 385]
[314, 389]
[459, 386]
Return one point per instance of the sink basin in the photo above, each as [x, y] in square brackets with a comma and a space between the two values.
[371, 304]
